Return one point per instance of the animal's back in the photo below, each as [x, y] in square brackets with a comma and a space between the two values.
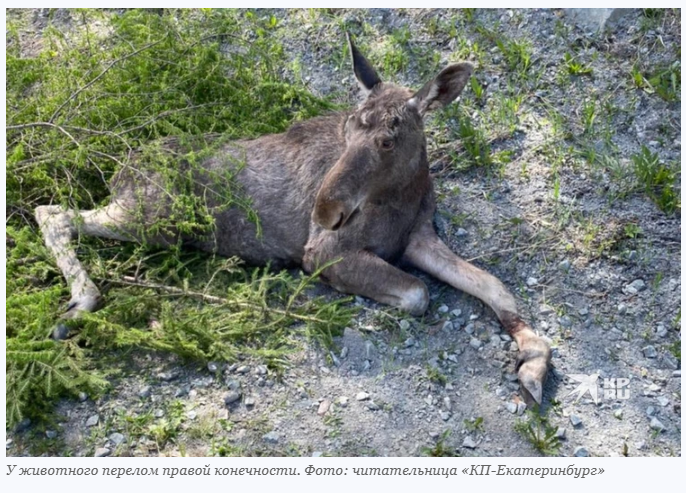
[278, 177]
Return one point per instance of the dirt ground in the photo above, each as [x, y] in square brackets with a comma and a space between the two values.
[559, 217]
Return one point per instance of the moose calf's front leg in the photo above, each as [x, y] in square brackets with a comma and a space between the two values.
[427, 252]
[365, 274]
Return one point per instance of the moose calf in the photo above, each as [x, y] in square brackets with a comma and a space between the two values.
[353, 185]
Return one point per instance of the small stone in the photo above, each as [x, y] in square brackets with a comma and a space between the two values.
[447, 326]
[649, 352]
[212, 366]
[8, 443]
[575, 420]
[233, 384]
[243, 369]
[669, 361]
[232, 397]
[93, 420]
[447, 404]
[636, 286]
[469, 442]
[167, 376]
[545, 309]
[271, 437]
[469, 329]
[461, 232]
[656, 424]
[409, 342]
[342, 401]
[443, 309]
[445, 415]
[565, 322]
[50, 434]
[619, 413]
[116, 438]
[581, 452]
[144, 392]
[512, 407]
[564, 265]
[640, 445]
[83, 397]
[404, 324]
[344, 352]
[249, 402]
[362, 396]
[102, 452]
[621, 308]
[373, 406]
[261, 370]
[367, 365]
[323, 407]
[182, 391]
[661, 331]
[663, 401]
[317, 453]
[650, 410]
[676, 374]
[521, 407]
[561, 433]
[456, 313]
[475, 343]
[158, 413]
[531, 281]
[370, 349]
[506, 337]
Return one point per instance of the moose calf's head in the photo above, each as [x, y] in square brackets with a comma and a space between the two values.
[385, 142]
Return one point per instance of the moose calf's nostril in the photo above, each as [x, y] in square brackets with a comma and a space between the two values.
[339, 223]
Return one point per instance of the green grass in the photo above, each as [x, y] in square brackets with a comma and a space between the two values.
[434, 375]
[474, 425]
[75, 110]
[574, 67]
[663, 80]
[539, 433]
[441, 449]
[658, 180]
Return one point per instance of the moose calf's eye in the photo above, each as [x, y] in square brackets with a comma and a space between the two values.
[387, 144]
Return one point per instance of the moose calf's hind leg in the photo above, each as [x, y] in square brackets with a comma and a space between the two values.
[427, 252]
[59, 229]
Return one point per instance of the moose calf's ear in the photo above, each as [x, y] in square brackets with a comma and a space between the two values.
[447, 85]
[364, 72]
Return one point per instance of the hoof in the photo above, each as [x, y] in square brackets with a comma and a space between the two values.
[60, 332]
[76, 307]
[532, 368]
[85, 303]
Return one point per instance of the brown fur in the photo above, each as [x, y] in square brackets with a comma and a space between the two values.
[351, 187]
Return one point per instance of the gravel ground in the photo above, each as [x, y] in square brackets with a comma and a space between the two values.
[600, 276]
